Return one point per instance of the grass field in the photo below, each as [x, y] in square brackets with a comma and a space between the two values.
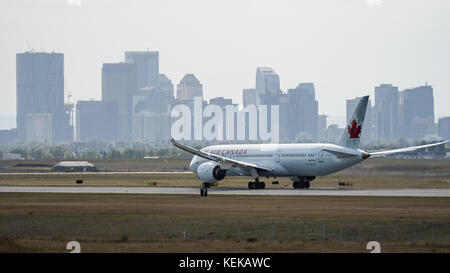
[358, 181]
[35, 222]
[373, 173]
[104, 165]
[181, 223]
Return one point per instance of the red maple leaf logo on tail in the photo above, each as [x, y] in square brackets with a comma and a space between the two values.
[354, 130]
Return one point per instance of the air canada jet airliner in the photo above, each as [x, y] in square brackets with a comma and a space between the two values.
[301, 162]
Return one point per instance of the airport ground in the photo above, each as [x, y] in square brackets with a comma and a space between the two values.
[376, 173]
[45, 222]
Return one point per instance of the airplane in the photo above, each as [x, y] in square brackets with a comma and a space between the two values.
[301, 162]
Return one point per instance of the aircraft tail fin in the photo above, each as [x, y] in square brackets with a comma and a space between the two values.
[352, 132]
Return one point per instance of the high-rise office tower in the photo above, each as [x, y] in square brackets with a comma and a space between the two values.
[149, 126]
[97, 120]
[166, 84]
[268, 93]
[150, 114]
[416, 111]
[189, 88]
[322, 119]
[303, 111]
[221, 101]
[119, 85]
[444, 128]
[40, 97]
[322, 127]
[350, 107]
[147, 67]
[386, 111]
[267, 81]
[249, 97]
[8, 136]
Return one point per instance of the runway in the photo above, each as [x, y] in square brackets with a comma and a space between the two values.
[227, 191]
[87, 173]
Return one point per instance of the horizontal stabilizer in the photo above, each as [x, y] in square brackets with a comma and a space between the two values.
[407, 149]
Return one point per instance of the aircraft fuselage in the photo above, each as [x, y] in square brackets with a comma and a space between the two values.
[298, 159]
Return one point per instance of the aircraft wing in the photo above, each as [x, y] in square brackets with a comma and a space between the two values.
[408, 149]
[228, 162]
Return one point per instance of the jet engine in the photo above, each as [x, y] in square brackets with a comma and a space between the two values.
[210, 172]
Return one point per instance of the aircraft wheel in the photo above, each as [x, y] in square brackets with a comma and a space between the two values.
[307, 185]
[250, 185]
[295, 185]
[203, 192]
[263, 185]
[301, 184]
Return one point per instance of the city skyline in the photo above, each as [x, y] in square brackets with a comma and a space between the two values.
[342, 121]
[136, 106]
[359, 46]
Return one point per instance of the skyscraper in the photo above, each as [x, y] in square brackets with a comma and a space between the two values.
[166, 84]
[149, 126]
[221, 101]
[386, 111]
[322, 127]
[189, 88]
[147, 67]
[119, 85]
[267, 81]
[444, 128]
[417, 112]
[8, 136]
[303, 111]
[40, 96]
[150, 114]
[249, 97]
[322, 119]
[96, 120]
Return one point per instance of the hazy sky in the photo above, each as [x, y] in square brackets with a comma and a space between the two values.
[345, 47]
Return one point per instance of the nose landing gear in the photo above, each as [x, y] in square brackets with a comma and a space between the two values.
[204, 190]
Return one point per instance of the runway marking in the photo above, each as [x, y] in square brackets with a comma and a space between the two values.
[226, 191]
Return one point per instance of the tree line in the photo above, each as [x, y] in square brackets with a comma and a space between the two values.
[101, 150]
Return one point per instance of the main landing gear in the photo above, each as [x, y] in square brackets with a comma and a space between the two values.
[256, 185]
[300, 182]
